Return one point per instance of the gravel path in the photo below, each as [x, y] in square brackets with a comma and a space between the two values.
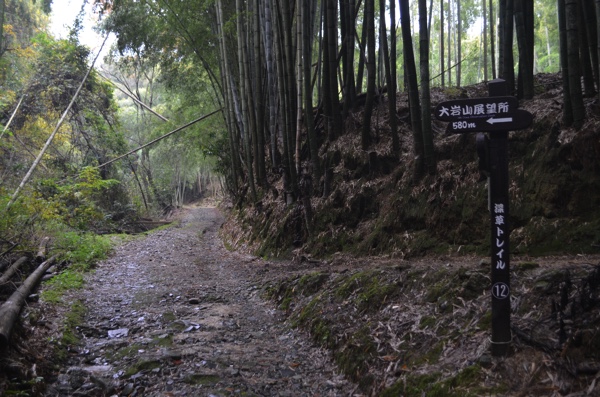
[176, 314]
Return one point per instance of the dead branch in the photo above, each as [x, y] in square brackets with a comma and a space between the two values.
[12, 270]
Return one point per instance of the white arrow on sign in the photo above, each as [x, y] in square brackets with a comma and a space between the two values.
[500, 120]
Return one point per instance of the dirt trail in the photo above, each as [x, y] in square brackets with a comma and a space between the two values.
[176, 314]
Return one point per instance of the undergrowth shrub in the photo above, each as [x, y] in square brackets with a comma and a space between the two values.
[77, 203]
[80, 251]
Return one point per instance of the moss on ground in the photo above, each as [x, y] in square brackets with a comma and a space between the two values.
[355, 356]
[69, 336]
[201, 379]
[143, 365]
[367, 290]
[469, 382]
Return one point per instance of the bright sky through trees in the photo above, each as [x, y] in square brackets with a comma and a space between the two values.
[63, 15]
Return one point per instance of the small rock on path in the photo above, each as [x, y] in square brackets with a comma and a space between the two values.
[176, 314]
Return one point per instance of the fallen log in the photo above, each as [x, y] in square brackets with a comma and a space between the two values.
[12, 270]
[9, 311]
[149, 225]
[41, 254]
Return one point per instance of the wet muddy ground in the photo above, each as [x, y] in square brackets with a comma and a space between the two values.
[176, 314]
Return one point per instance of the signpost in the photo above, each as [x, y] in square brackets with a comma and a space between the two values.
[497, 115]
[517, 120]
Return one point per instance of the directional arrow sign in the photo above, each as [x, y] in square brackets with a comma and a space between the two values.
[499, 120]
[518, 120]
[462, 109]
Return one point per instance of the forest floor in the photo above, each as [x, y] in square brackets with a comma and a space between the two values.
[175, 313]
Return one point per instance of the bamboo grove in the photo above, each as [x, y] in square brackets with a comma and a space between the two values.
[288, 73]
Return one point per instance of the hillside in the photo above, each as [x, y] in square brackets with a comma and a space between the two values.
[395, 279]
[375, 208]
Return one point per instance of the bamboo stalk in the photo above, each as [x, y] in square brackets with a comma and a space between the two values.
[159, 138]
[12, 116]
[142, 104]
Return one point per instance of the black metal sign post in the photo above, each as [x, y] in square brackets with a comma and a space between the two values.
[497, 115]
[498, 199]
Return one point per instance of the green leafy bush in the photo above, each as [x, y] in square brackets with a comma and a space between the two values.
[82, 250]
[77, 203]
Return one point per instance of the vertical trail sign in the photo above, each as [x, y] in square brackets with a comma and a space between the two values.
[497, 115]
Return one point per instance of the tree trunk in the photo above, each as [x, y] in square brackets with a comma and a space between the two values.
[392, 85]
[485, 43]
[598, 41]
[236, 167]
[585, 59]
[299, 88]
[249, 95]
[261, 101]
[592, 36]
[506, 31]
[271, 83]
[428, 149]
[361, 59]
[139, 184]
[369, 25]
[244, 96]
[442, 54]
[492, 40]
[348, 29]
[571, 14]
[413, 90]
[458, 45]
[449, 59]
[290, 88]
[308, 92]
[286, 95]
[336, 115]
[525, 43]
[9, 311]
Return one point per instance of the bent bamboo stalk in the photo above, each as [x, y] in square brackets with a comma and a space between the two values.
[9, 311]
[12, 270]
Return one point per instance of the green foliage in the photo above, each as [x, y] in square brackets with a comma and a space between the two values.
[18, 223]
[57, 286]
[77, 204]
[82, 250]
[89, 134]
